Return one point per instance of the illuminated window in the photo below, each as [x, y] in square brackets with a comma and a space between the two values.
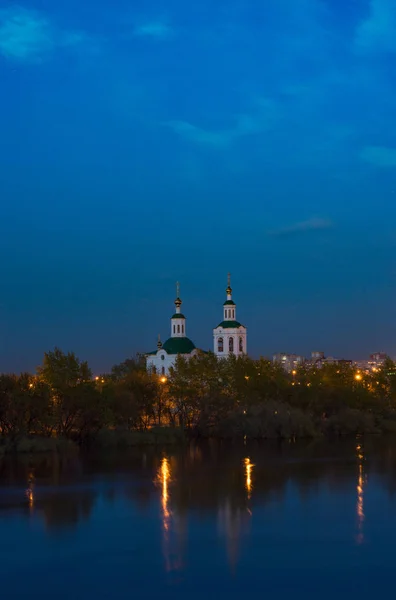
[231, 344]
[220, 345]
[240, 344]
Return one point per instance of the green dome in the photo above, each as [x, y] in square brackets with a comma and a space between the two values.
[229, 325]
[178, 345]
[229, 303]
[178, 316]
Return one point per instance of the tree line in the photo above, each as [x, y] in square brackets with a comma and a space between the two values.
[204, 396]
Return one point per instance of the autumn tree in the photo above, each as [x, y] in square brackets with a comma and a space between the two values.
[77, 404]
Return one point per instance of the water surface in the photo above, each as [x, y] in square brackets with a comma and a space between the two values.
[212, 520]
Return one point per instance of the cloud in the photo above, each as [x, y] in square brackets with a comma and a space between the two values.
[200, 136]
[379, 156]
[313, 224]
[261, 119]
[24, 34]
[29, 36]
[154, 29]
[79, 40]
[377, 33]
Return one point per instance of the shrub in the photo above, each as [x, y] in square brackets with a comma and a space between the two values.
[351, 421]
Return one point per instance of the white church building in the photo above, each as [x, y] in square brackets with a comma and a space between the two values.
[165, 356]
[229, 337]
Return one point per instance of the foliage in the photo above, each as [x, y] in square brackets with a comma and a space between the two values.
[237, 397]
[23, 406]
[130, 365]
[63, 371]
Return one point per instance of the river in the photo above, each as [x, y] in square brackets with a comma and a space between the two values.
[211, 520]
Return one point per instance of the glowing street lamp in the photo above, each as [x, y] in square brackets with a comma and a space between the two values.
[163, 380]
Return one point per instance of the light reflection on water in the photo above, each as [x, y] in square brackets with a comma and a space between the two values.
[360, 494]
[177, 517]
[248, 470]
[164, 478]
[30, 490]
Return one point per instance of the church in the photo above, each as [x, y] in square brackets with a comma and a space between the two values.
[165, 356]
[229, 337]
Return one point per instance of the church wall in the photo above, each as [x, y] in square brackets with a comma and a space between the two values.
[178, 328]
[226, 334]
[160, 363]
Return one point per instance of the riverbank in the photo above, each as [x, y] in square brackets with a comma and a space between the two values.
[267, 422]
[105, 439]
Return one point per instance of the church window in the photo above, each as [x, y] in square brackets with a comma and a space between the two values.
[231, 344]
[240, 344]
[174, 328]
[178, 329]
[163, 357]
[233, 313]
[220, 345]
[182, 328]
[163, 371]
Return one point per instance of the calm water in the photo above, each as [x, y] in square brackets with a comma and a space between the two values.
[211, 521]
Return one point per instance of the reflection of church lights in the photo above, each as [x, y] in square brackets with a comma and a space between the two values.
[30, 497]
[164, 477]
[172, 560]
[248, 472]
[360, 494]
[29, 491]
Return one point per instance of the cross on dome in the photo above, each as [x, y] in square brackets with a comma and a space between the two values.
[229, 288]
[178, 302]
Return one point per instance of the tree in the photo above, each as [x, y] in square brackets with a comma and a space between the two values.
[134, 399]
[67, 377]
[130, 365]
[62, 371]
[25, 407]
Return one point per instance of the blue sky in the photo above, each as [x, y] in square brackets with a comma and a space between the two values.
[144, 143]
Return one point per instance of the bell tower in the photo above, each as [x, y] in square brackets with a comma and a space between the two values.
[230, 336]
[178, 320]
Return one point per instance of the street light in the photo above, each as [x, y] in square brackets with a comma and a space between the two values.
[163, 380]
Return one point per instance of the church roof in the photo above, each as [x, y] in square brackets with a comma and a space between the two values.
[178, 316]
[229, 303]
[229, 325]
[178, 345]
